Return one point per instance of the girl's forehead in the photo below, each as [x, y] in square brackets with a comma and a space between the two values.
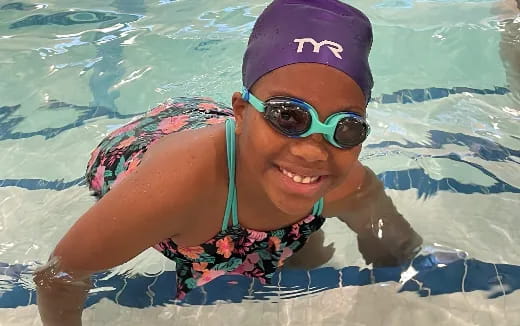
[327, 89]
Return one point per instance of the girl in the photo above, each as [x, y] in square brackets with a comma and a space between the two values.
[239, 191]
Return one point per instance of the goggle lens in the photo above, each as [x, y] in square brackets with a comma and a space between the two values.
[289, 118]
[350, 132]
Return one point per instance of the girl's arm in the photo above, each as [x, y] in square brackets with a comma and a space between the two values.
[153, 203]
[384, 236]
[60, 296]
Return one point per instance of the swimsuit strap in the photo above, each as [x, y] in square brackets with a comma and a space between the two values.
[231, 203]
[318, 207]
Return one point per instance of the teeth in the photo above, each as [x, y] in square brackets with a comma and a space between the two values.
[298, 178]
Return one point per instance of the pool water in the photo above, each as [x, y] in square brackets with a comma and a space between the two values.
[445, 141]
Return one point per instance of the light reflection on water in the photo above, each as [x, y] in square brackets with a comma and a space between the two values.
[436, 270]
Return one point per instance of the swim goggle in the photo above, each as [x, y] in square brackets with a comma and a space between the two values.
[296, 118]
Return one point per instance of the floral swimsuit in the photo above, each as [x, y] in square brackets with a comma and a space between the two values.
[235, 249]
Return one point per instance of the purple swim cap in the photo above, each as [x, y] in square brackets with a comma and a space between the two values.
[317, 31]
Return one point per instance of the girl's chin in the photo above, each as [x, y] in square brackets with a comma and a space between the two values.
[299, 211]
[290, 210]
[291, 205]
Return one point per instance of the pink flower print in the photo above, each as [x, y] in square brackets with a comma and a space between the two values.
[248, 265]
[207, 106]
[112, 157]
[256, 236]
[286, 253]
[127, 142]
[253, 258]
[134, 160]
[258, 274]
[225, 246]
[159, 246]
[200, 267]
[191, 252]
[158, 109]
[295, 231]
[262, 280]
[93, 157]
[309, 219]
[168, 245]
[215, 121]
[241, 245]
[123, 129]
[180, 294]
[172, 124]
[209, 276]
[164, 245]
[97, 182]
[274, 241]
[131, 165]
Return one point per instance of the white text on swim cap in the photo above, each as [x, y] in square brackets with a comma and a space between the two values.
[334, 47]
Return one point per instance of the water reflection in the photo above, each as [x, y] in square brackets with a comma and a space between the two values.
[22, 6]
[65, 18]
[435, 271]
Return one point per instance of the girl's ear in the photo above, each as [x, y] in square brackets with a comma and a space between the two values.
[239, 106]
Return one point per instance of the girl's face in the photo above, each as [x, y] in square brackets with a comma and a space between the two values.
[277, 164]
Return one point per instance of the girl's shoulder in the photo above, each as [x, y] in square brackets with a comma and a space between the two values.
[190, 170]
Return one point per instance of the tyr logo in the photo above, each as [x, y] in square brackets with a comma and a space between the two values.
[334, 47]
